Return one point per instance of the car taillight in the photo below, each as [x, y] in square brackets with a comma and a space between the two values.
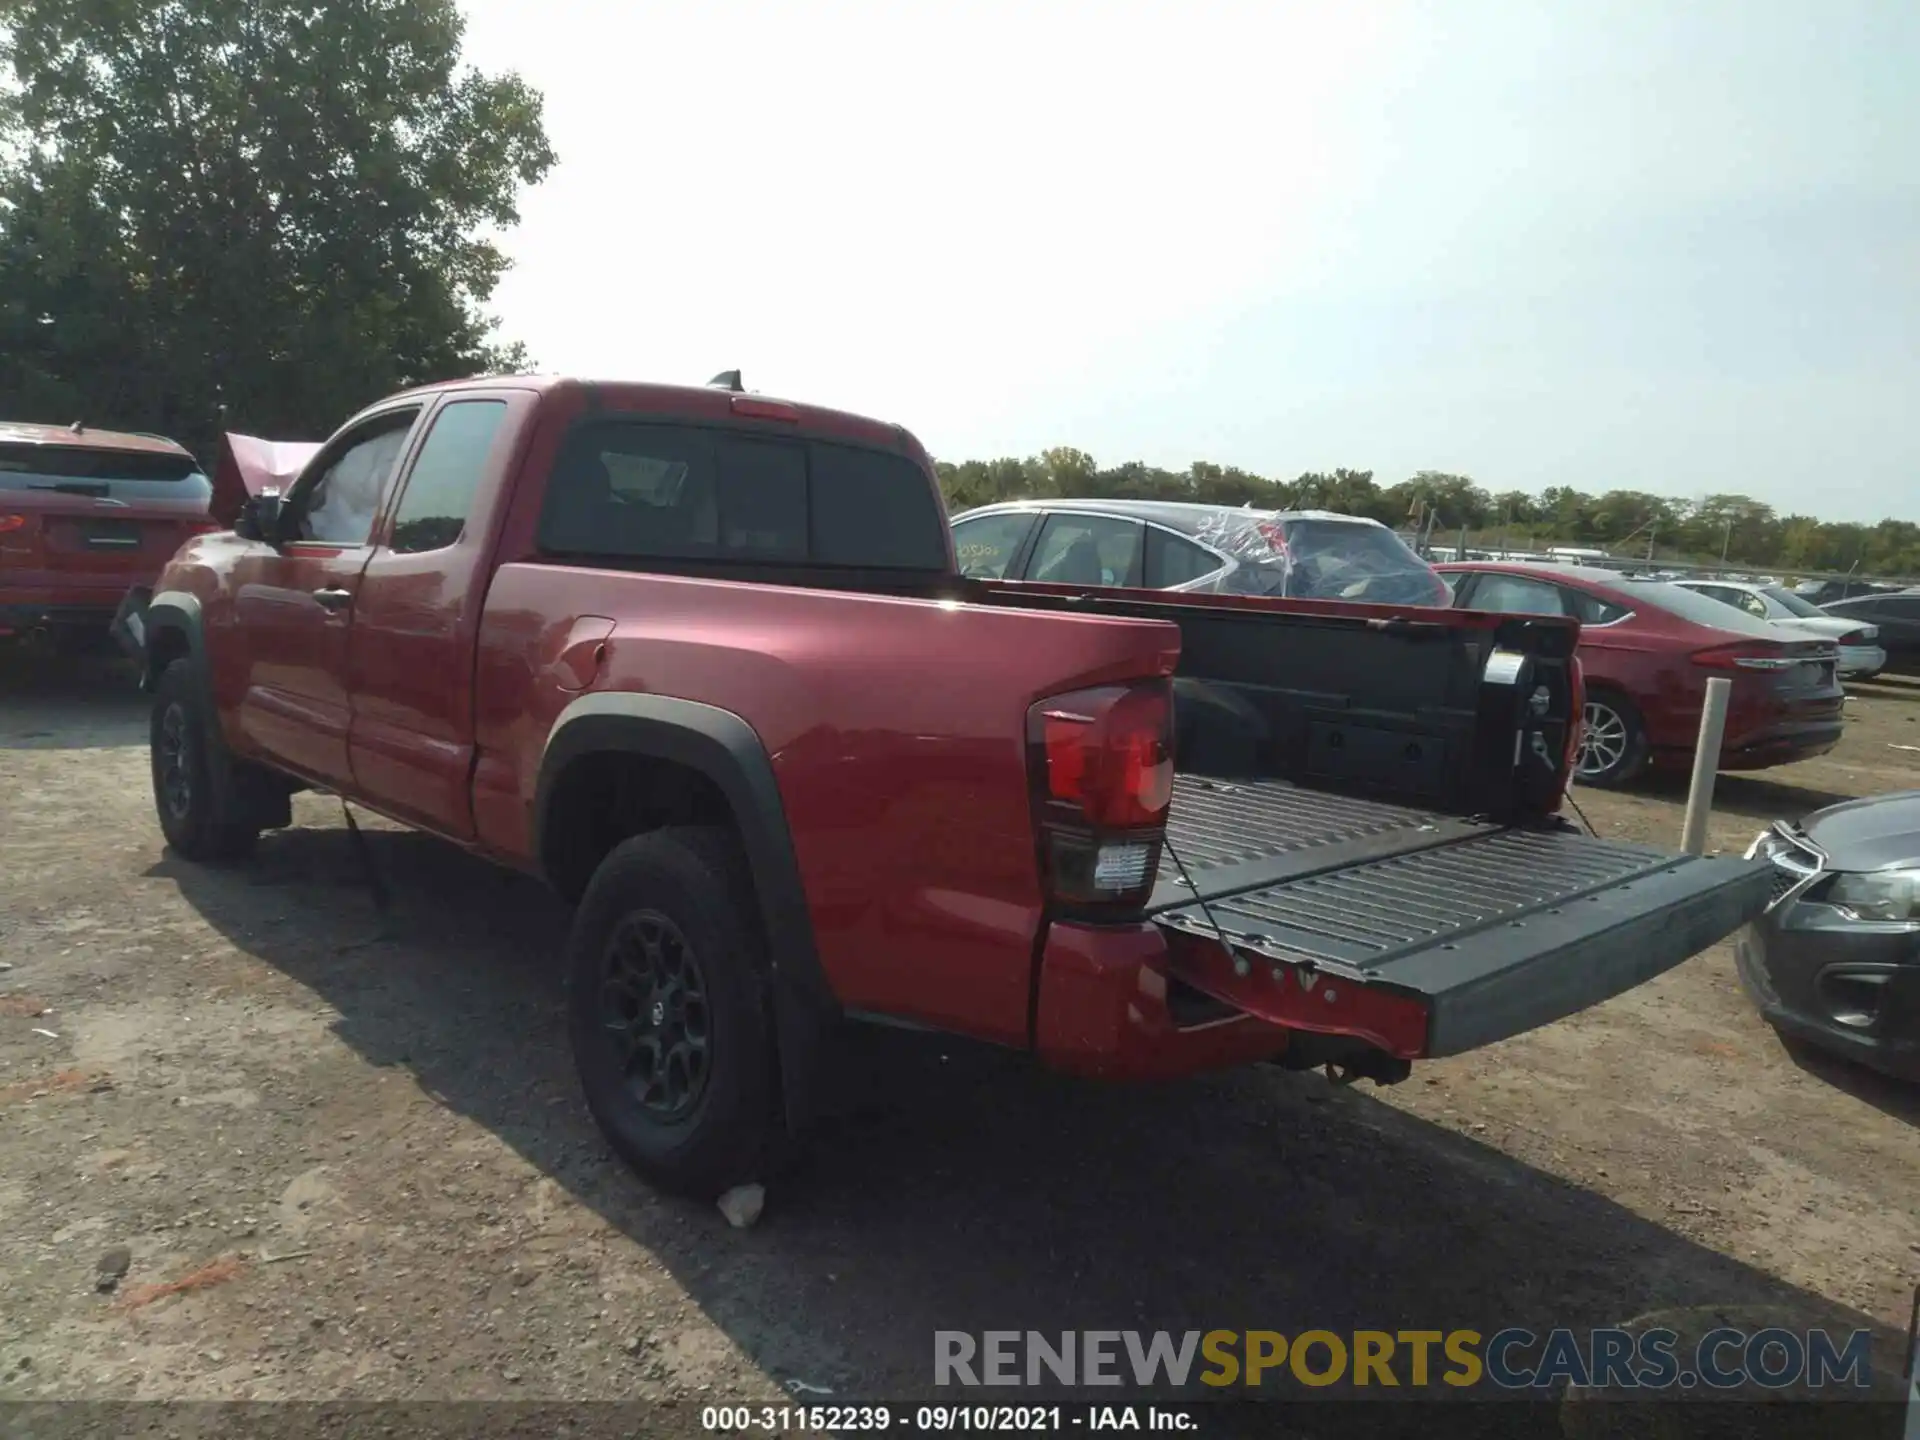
[10, 523]
[1102, 768]
[1866, 635]
[1743, 657]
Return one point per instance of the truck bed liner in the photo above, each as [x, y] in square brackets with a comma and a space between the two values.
[1225, 837]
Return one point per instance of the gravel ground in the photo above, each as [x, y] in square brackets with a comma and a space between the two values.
[339, 1153]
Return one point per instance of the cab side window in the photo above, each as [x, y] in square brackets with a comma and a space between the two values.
[338, 508]
[446, 476]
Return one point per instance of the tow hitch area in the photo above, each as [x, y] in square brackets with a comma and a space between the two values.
[1458, 945]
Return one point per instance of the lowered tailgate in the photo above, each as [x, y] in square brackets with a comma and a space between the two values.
[1425, 934]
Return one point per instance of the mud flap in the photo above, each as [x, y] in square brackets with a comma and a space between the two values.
[129, 628]
[1459, 944]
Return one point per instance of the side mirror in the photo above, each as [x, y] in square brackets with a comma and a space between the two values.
[259, 518]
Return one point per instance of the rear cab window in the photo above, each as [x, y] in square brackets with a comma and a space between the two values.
[652, 490]
[132, 476]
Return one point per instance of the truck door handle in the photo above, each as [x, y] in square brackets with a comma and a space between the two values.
[334, 599]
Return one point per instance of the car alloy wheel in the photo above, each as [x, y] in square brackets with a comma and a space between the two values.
[1604, 739]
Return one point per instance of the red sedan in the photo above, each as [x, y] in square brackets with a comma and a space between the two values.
[1647, 650]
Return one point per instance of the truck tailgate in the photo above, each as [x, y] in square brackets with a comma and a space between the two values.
[1425, 934]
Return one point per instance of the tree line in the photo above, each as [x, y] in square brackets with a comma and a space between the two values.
[1733, 527]
[255, 215]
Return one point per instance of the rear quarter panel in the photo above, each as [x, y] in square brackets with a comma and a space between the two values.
[1647, 662]
[896, 729]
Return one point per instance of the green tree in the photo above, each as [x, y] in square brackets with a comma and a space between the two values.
[1450, 501]
[249, 214]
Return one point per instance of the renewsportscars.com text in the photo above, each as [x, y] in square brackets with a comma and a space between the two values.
[1511, 1359]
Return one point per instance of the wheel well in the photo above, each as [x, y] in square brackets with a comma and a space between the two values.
[166, 646]
[1612, 693]
[605, 797]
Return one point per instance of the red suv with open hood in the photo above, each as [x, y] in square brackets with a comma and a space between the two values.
[83, 515]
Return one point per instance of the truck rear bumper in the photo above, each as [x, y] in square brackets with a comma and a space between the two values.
[1105, 1010]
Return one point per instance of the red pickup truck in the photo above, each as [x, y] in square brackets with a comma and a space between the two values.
[701, 659]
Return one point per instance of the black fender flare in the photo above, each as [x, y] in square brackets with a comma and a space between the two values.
[173, 612]
[724, 748]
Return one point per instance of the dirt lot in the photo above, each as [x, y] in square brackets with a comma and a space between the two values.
[345, 1155]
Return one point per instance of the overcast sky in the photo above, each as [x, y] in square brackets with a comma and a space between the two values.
[1638, 244]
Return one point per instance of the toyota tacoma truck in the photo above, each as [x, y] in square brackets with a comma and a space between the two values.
[702, 660]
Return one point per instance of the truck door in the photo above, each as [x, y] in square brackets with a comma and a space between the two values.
[293, 603]
[417, 612]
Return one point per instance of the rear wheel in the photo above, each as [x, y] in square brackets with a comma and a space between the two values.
[196, 785]
[668, 1010]
[1613, 742]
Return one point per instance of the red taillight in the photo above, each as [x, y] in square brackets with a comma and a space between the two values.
[1857, 637]
[11, 523]
[1103, 782]
[1110, 752]
[1744, 657]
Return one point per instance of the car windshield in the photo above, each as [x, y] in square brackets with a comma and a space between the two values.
[1792, 603]
[102, 474]
[1692, 605]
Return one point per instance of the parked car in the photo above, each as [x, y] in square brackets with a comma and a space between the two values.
[1896, 615]
[701, 659]
[1835, 960]
[1169, 545]
[1861, 656]
[1825, 592]
[1647, 649]
[83, 515]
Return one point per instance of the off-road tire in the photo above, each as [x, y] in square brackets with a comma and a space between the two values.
[197, 786]
[693, 882]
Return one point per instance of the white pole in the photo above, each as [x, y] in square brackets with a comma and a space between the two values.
[1706, 765]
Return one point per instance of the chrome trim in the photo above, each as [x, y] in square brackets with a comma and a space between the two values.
[1783, 846]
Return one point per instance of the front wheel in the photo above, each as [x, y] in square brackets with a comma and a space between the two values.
[1613, 743]
[668, 1009]
[196, 790]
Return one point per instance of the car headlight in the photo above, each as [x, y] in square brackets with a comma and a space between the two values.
[1877, 895]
